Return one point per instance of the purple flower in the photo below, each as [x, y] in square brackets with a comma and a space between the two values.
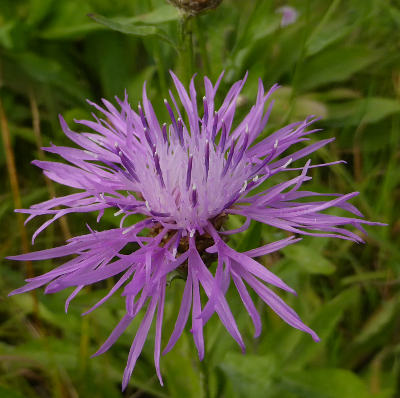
[185, 178]
[289, 15]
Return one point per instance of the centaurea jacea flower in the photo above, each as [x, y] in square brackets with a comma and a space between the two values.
[185, 177]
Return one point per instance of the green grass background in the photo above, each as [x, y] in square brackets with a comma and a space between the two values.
[340, 60]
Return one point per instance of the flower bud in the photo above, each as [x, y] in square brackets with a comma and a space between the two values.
[194, 7]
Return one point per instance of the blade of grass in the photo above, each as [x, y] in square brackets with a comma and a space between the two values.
[13, 176]
[39, 143]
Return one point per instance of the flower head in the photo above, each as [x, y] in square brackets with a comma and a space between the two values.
[289, 15]
[185, 177]
[194, 7]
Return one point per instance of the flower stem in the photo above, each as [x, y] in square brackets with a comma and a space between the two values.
[39, 144]
[158, 58]
[204, 379]
[13, 176]
[202, 46]
[186, 50]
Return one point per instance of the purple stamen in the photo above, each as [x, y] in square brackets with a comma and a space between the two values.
[171, 114]
[230, 156]
[242, 150]
[193, 196]
[266, 160]
[189, 172]
[180, 131]
[159, 214]
[205, 116]
[149, 140]
[234, 198]
[142, 116]
[221, 145]
[158, 168]
[214, 127]
[164, 132]
[128, 165]
[207, 158]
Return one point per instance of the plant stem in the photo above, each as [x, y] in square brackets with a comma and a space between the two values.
[205, 383]
[13, 176]
[39, 143]
[186, 50]
[158, 58]
[201, 38]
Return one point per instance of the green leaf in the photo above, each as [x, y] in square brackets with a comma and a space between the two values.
[252, 237]
[50, 71]
[308, 258]
[334, 65]
[127, 28]
[162, 14]
[180, 370]
[68, 20]
[251, 375]
[131, 28]
[378, 322]
[324, 324]
[325, 383]
[38, 10]
[7, 393]
[70, 31]
[366, 110]
[330, 34]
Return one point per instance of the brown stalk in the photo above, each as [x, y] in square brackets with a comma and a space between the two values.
[39, 144]
[13, 176]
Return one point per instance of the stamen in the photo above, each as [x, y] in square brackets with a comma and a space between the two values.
[193, 196]
[242, 149]
[142, 116]
[148, 139]
[164, 132]
[207, 158]
[261, 166]
[214, 128]
[119, 212]
[234, 198]
[287, 163]
[243, 187]
[159, 214]
[125, 231]
[205, 116]
[221, 145]
[176, 243]
[158, 168]
[189, 172]
[230, 156]
[91, 154]
[129, 166]
[180, 131]
[171, 114]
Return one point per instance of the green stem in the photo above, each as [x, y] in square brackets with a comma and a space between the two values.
[187, 62]
[160, 69]
[204, 379]
[202, 46]
[158, 58]
[299, 64]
